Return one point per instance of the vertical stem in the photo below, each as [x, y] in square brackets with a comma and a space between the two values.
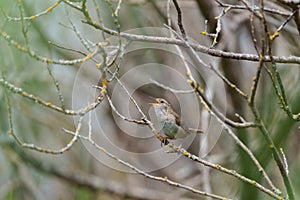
[275, 152]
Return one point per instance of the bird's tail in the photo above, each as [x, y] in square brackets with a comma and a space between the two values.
[195, 130]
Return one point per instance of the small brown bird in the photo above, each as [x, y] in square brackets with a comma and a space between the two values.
[171, 123]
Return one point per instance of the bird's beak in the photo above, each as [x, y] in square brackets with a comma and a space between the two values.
[152, 104]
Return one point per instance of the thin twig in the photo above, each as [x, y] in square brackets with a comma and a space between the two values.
[33, 17]
[141, 172]
[171, 89]
[179, 18]
[120, 115]
[183, 152]
[12, 88]
[37, 148]
[198, 47]
[255, 8]
[215, 114]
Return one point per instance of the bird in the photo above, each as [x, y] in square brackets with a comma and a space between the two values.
[172, 125]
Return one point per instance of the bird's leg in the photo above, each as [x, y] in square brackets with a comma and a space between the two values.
[163, 140]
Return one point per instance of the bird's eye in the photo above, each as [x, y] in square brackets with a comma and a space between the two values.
[161, 101]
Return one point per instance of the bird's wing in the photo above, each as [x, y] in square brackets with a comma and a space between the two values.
[177, 117]
[179, 122]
